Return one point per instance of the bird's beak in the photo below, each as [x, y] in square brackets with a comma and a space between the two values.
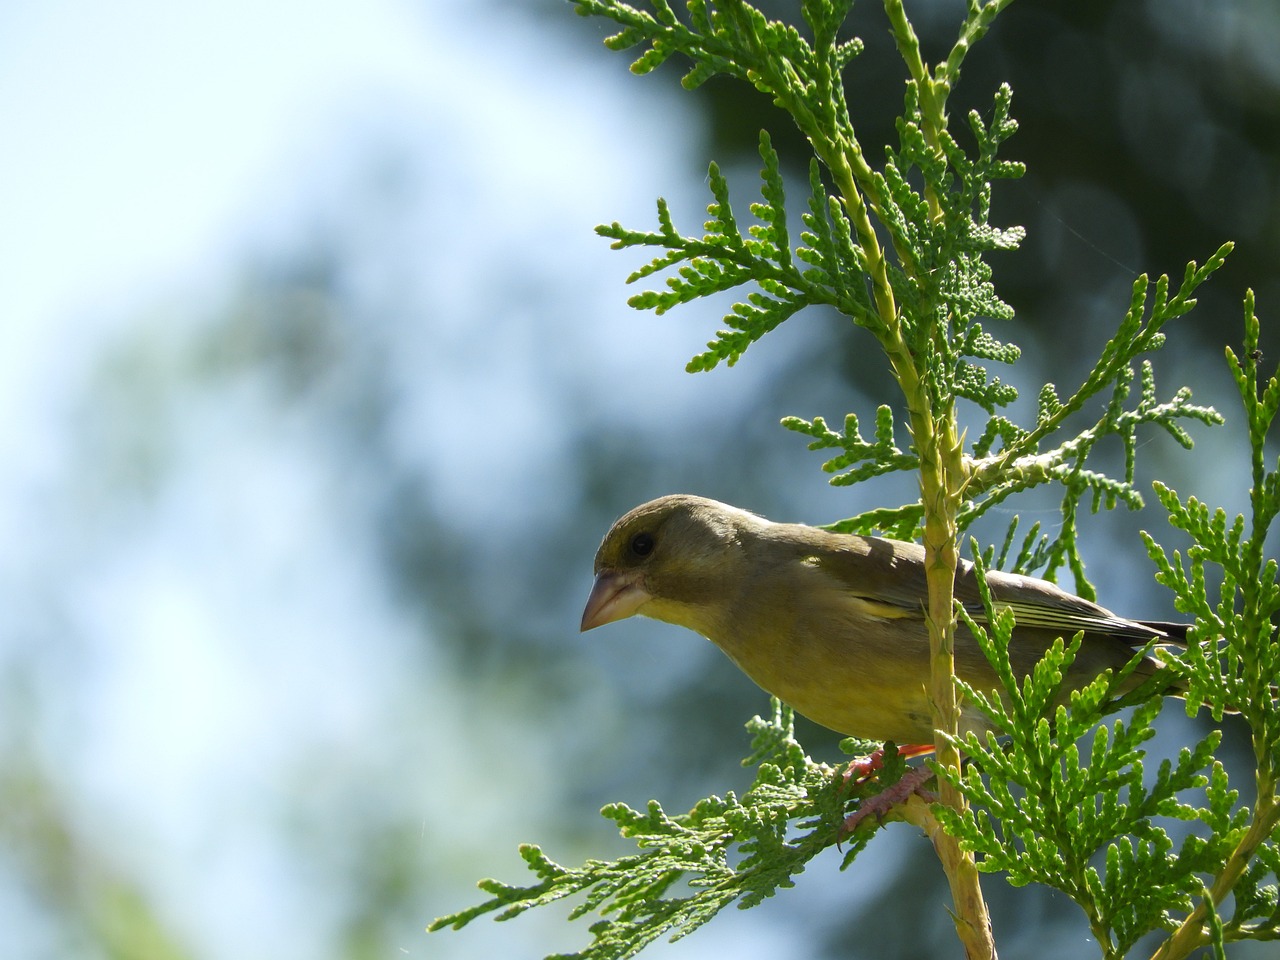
[615, 595]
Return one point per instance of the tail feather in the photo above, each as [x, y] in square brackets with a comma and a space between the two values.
[1175, 632]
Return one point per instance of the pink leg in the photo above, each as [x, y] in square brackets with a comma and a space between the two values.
[878, 806]
[862, 770]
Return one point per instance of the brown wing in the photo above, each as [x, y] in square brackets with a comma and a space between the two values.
[891, 573]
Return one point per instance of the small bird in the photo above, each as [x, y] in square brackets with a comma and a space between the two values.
[833, 624]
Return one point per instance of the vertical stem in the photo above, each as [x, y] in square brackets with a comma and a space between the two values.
[937, 443]
[941, 472]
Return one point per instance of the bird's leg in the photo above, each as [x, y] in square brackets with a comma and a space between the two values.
[878, 806]
[912, 780]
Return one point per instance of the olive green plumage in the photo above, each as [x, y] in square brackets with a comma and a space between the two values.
[833, 624]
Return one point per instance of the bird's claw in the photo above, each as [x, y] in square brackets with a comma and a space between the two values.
[911, 782]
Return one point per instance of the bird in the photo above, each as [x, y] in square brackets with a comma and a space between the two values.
[833, 624]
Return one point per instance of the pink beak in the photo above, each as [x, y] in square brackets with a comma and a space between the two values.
[615, 595]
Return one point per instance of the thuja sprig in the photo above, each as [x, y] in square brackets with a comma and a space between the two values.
[1026, 458]
[1094, 827]
[1023, 462]
[1233, 661]
[1044, 808]
[872, 458]
[938, 233]
[691, 866]
[725, 258]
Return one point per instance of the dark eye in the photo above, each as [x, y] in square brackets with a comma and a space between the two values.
[642, 544]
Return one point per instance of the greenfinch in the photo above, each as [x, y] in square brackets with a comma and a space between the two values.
[834, 624]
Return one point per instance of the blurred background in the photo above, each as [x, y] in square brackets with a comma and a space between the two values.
[317, 393]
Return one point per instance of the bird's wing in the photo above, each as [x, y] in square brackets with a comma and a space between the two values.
[889, 578]
[1038, 603]
[886, 576]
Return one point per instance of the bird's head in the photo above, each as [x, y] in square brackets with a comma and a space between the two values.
[667, 559]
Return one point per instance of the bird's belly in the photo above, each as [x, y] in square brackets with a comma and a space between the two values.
[859, 675]
[860, 707]
[846, 690]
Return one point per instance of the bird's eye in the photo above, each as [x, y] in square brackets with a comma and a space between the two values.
[642, 544]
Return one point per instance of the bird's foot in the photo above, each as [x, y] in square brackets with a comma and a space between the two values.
[865, 768]
[911, 783]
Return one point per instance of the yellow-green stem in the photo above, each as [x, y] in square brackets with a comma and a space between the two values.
[942, 475]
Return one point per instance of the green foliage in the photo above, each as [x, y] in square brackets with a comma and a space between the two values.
[725, 258]
[1044, 813]
[1236, 663]
[1023, 462]
[691, 866]
[882, 456]
[940, 231]
[901, 251]
[1044, 807]
[1239, 670]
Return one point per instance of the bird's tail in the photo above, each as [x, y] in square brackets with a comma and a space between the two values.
[1175, 633]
